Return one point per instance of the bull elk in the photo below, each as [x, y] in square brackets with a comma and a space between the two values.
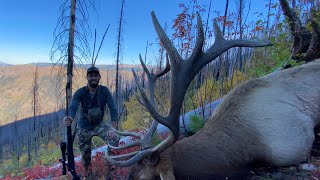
[269, 119]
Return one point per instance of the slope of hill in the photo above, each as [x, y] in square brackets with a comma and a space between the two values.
[4, 64]
[16, 84]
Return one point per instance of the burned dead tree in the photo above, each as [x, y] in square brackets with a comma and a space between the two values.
[306, 44]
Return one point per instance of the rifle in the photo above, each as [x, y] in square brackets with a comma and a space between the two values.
[68, 146]
[63, 147]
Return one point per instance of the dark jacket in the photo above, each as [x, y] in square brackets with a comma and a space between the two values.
[83, 97]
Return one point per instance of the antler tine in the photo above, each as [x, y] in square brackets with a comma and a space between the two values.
[183, 72]
[127, 133]
[146, 70]
[221, 45]
[139, 100]
[175, 57]
[148, 105]
[121, 156]
[218, 36]
[132, 144]
[164, 144]
[199, 40]
[142, 154]
[152, 77]
[165, 70]
[145, 141]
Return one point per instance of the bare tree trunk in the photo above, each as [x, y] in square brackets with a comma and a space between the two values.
[70, 59]
[241, 34]
[268, 20]
[120, 101]
[107, 79]
[70, 51]
[127, 98]
[301, 36]
[225, 19]
[293, 5]
[29, 149]
[1, 154]
[64, 37]
[16, 144]
[69, 136]
[145, 61]
[119, 50]
[1, 146]
[221, 62]
[63, 48]
[35, 109]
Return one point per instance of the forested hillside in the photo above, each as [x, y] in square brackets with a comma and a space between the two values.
[18, 82]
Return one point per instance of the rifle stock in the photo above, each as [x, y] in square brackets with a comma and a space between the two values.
[67, 149]
[63, 147]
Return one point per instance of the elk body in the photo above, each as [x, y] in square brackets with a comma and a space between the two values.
[270, 119]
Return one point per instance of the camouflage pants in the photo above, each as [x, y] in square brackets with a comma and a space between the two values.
[85, 138]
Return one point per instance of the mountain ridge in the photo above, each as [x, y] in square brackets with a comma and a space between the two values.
[4, 64]
[49, 64]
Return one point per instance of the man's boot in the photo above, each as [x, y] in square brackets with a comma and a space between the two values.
[86, 161]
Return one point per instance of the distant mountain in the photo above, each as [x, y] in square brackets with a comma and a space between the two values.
[5, 64]
[44, 64]
[127, 67]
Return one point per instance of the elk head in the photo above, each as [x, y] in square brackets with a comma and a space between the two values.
[182, 73]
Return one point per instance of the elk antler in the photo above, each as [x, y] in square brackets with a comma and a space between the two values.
[145, 141]
[182, 73]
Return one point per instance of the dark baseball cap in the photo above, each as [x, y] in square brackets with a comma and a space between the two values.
[93, 69]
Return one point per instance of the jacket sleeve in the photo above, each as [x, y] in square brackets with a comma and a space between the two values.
[112, 106]
[73, 107]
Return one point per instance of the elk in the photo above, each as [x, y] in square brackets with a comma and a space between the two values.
[269, 119]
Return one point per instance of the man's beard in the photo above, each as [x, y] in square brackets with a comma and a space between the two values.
[93, 84]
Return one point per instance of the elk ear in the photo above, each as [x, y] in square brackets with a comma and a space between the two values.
[149, 160]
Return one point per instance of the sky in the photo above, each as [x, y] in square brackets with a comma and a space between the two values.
[27, 27]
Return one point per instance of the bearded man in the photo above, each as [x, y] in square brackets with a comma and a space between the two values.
[93, 100]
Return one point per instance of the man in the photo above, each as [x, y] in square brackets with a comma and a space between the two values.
[93, 99]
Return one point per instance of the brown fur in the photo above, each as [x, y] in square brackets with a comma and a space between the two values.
[239, 131]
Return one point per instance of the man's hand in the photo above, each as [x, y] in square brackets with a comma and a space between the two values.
[114, 124]
[112, 135]
[67, 121]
